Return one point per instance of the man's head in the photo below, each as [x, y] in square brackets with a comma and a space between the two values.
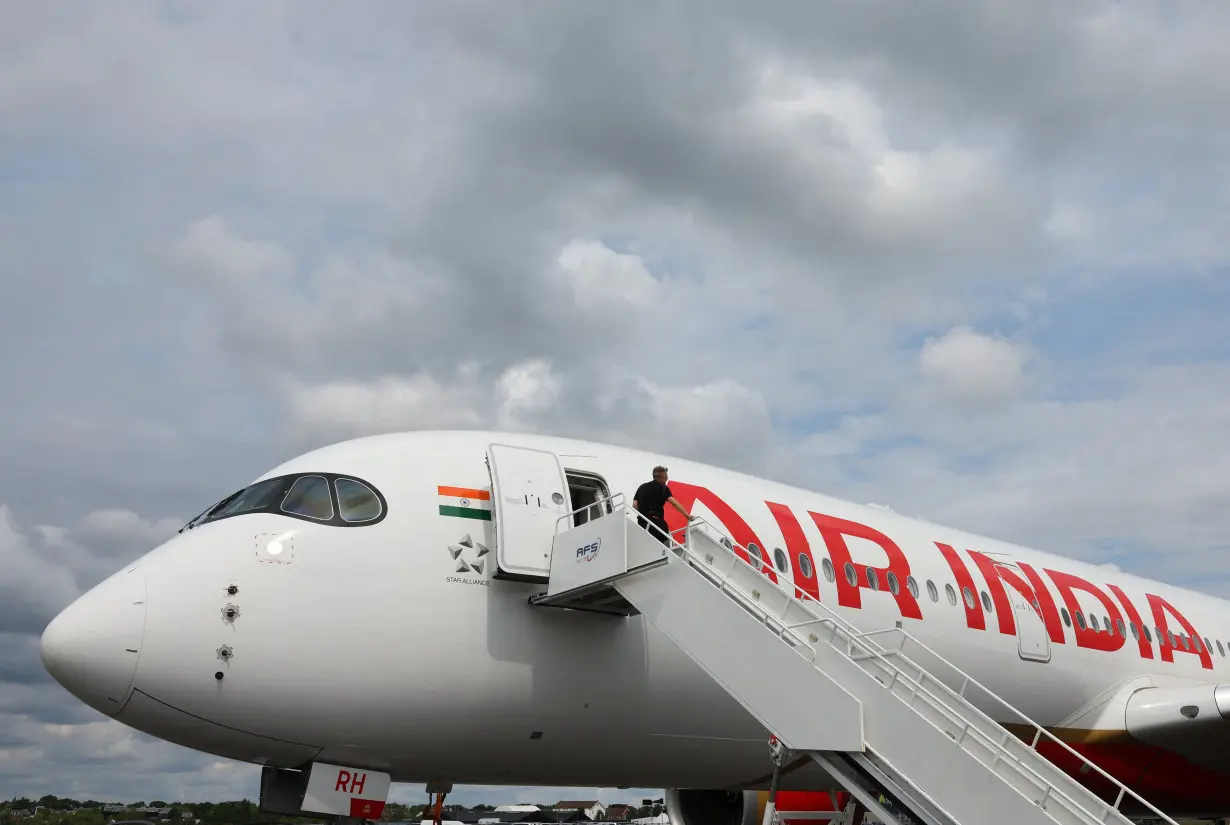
[659, 474]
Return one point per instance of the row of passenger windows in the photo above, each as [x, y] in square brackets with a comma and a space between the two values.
[1191, 643]
[317, 497]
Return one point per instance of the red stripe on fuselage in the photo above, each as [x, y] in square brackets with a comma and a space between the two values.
[797, 547]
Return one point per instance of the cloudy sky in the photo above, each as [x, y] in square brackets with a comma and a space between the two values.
[968, 260]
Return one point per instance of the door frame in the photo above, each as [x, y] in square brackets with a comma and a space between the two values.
[599, 482]
[1016, 601]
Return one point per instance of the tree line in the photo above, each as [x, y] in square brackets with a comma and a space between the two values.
[54, 810]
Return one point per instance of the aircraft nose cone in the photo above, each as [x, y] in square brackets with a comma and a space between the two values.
[91, 648]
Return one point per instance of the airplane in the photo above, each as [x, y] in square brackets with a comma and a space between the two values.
[366, 607]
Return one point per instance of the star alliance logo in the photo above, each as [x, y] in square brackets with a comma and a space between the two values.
[469, 556]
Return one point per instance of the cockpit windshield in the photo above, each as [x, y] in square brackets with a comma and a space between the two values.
[320, 497]
[256, 497]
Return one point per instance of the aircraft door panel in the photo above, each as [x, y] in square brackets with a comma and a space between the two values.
[1033, 643]
[531, 493]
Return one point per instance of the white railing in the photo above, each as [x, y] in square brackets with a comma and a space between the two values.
[873, 651]
[611, 509]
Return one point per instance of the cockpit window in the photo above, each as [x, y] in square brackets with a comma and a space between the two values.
[326, 498]
[356, 500]
[259, 496]
[309, 496]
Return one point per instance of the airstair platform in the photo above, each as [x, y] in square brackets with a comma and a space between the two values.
[855, 702]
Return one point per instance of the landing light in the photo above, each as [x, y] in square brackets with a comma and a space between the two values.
[275, 548]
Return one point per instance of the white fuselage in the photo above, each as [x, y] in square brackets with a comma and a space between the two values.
[365, 645]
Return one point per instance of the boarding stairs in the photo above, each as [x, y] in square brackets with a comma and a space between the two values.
[857, 703]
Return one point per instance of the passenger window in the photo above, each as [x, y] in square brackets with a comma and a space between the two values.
[1170, 635]
[1122, 629]
[986, 602]
[356, 500]
[1067, 619]
[829, 572]
[309, 496]
[932, 591]
[1093, 621]
[851, 576]
[1135, 631]
[805, 566]
[969, 598]
[873, 581]
[1080, 620]
[1208, 645]
[753, 553]
[951, 593]
[779, 558]
[911, 584]
[1221, 650]
[1148, 636]
[1187, 643]
[893, 586]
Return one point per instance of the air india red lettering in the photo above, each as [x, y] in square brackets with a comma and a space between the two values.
[690, 494]
[1160, 607]
[1086, 636]
[973, 615]
[797, 547]
[1050, 613]
[1036, 595]
[1146, 649]
[834, 530]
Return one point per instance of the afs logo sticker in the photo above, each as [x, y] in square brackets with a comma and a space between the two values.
[589, 552]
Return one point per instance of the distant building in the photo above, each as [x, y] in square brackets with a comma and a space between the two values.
[592, 808]
[618, 812]
[660, 819]
[496, 817]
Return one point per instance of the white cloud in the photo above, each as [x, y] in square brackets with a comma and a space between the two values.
[531, 387]
[971, 367]
[211, 252]
[348, 409]
[600, 277]
[124, 532]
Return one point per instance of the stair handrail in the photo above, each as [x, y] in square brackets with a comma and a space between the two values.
[595, 503]
[883, 654]
[625, 508]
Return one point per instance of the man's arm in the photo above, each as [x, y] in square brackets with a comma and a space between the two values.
[678, 507]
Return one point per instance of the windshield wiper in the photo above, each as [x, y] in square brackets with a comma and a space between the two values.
[208, 511]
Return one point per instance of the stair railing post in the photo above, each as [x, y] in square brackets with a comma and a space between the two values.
[777, 753]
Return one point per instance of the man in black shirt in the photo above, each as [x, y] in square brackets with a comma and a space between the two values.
[650, 501]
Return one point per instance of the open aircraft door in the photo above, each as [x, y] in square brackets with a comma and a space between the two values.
[531, 493]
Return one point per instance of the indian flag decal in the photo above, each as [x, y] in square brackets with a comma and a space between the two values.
[464, 502]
